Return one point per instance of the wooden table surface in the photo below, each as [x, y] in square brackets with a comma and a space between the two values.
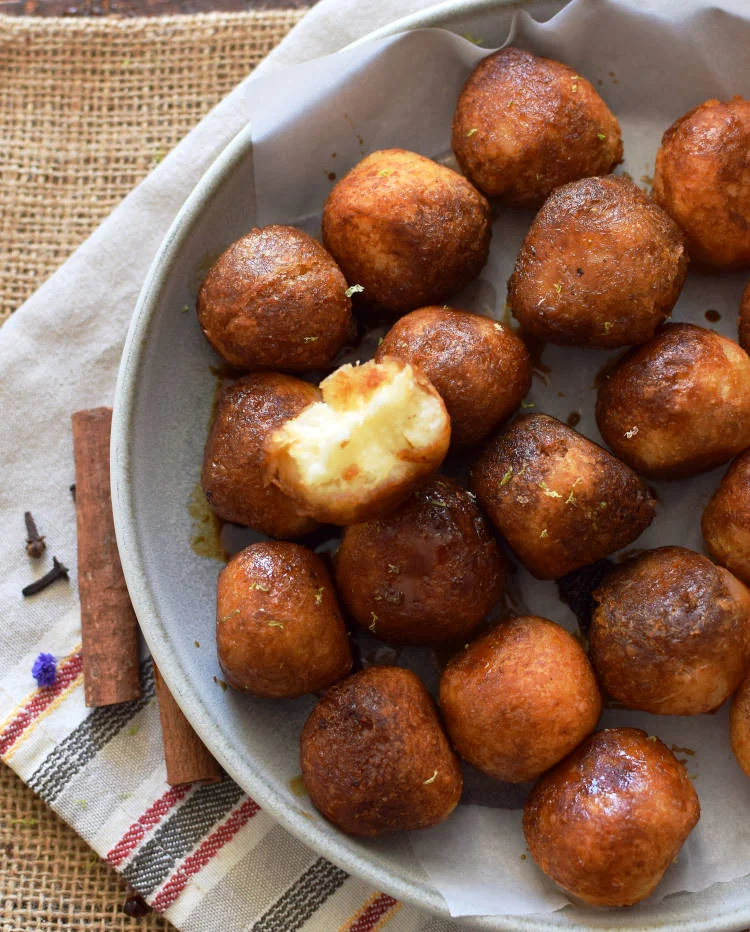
[139, 7]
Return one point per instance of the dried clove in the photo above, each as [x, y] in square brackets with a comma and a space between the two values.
[73, 491]
[58, 571]
[35, 545]
[135, 906]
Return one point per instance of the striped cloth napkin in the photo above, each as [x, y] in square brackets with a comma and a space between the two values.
[207, 856]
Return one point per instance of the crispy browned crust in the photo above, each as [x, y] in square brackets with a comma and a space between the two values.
[279, 631]
[744, 319]
[375, 759]
[410, 231]
[481, 369]
[610, 818]
[678, 405]
[234, 462]
[670, 633]
[726, 520]
[428, 572]
[275, 299]
[702, 179]
[525, 125]
[520, 698]
[559, 500]
[739, 725]
[602, 265]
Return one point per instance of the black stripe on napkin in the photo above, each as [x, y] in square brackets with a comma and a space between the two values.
[84, 742]
[302, 899]
[176, 838]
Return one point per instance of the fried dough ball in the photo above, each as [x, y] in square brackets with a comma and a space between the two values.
[375, 759]
[379, 432]
[602, 265]
[279, 631]
[739, 725]
[744, 321]
[726, 520]
[609, 819]
[408, 230]
[670, 633]
[702, 179]
[525, 125]
[559, 500]
[275, 299]
[519, 698]
[428, 572]
[678, 405]
[481, 369]
[234, 463]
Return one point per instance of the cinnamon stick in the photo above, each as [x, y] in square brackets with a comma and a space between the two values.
[187, 758]
[108, 622]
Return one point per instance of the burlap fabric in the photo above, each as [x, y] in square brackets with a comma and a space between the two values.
[87, 108]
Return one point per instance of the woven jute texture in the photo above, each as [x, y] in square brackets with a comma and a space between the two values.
[87, 108]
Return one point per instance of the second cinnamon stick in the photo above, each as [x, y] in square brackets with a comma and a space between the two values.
[187, 758]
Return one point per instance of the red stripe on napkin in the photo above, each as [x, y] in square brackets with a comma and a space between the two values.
[370, 917]
[203, 854]
[40, 700]
[149, 820]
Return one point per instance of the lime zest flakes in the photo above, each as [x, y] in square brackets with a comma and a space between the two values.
[607, 326]
[385, 172]
[632, 432]
[392, 568]
[235, 611]
[133, 730]
[527, 404]
[431, 779]
[652, 738]
[571, 499]
[472, 132]
[380, 341]
[275, 624]
[354, 289]
[438, 501]
[507, 477]
[260, 587]
[558, 287]
[311, 339]
[550, 493]
[470, 38]
[184, 308]
[319, 595]
[544, 533]
[374, 620]
[601, 136]
[603, 505]
[511, 103]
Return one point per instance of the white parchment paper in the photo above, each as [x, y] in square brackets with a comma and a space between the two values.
[651, 62]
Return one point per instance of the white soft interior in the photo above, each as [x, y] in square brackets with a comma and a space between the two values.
[355, 434]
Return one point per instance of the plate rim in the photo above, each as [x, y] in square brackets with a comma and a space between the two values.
[419, 893]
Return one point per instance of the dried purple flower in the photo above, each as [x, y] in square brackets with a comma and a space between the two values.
[44, 670]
